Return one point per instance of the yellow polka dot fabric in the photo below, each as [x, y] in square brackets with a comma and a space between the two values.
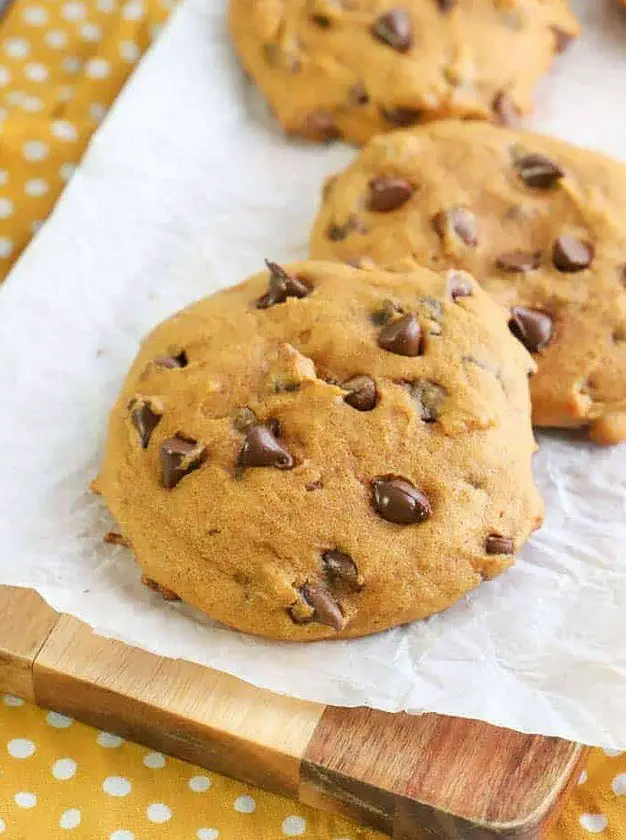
[61, 66]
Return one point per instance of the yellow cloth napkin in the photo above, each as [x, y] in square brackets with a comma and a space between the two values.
[61, 66]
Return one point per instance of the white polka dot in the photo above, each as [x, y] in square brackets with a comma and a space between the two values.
[90, 32]
[157, 812]
[36, 187]
[59, 721]
[6, 208]
[56, 38]
[64, 130]
[105, 739]
[3, 825]
[65, 93]
[36, 72]
[15, 97]
[16, 47]
[619, 784]
[595, 823]
[97, 111]
[122, 834]
[5, 76]
[133, 10]
[66, 170]
[154, 760]
[63, 769]
[294, 826]
[35, 150]
[32, 104]
[35, 15]
[6, 247]
[612, 753]
[21, 748]
[245, 805]
[25, 800]
[9, 699]
[106, 5]
[70, 818]
[199, 784]
[207, 834]
[71, 64]
[116, 786]
[97, 68]
[129, 50]
[74, 12]
[582, 778]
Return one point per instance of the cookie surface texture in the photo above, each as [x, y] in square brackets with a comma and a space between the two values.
[354, 68]
[540, 224]
[323, 451]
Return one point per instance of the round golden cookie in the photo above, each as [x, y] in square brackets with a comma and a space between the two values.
[540, 224]
[355, 68]
[323, 451]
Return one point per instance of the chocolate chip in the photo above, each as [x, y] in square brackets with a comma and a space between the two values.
[402, 337]
[562, 39]
[387, 193]
[458, 221]
[358, 95]
[180, 456]
[397, 500]
[519, 261]
[570, 254]
[388, 310]
[176, 361]
[459, 285]
[320, 126]
[495, 544]
[395, 29]
[163, 591]
[146, 415]
[321, 20]
[282, 285]
[446, 6]
[341, 568]
[538, 171]
[402, 117]
[337, 233]
[429, 398]
[362, 394]
[262, 449]
[325, 609]
[532, 327]
[113, 538]
[244, 419]
[505, 110]
[312, 486]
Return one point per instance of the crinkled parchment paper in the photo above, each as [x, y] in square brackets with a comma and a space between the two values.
[186, 188]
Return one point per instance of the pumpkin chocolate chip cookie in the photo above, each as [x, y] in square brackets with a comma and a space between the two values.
[541, 226]
[355, 68]
[324, 451]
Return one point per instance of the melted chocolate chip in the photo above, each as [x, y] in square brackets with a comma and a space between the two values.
[177, 361]
[262, 449]
[495, 544]
[538, 171]
[446, 6]
[362, 394]
[180, 456]
[395, 29]
[320, 126]
[458, 221]
[387, 193]
[163, 591]
[428, 397]
[562, 39]
[519, 261]
[621, 273]
[397, 500]
[337, 233]
[532, 327]
[341, 568]
[282, 285]
[459, 285]
[325, 609]
[322, 21]
[402, 117]
[570, 254]
[505, 110]
[358, 95]
[402, 337]
[146, 415]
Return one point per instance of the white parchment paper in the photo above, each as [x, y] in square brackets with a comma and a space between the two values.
[185, 189]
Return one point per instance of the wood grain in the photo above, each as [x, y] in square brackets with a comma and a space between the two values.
[197, 714]
[25, 623]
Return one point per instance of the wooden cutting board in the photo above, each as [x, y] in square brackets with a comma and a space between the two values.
[412, 777]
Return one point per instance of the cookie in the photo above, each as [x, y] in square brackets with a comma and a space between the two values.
[540, 224]
[354, 68]
[323, 451]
